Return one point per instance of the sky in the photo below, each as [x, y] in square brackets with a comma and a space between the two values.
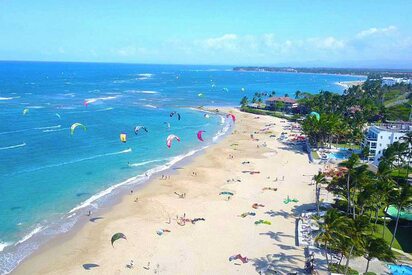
[312, 33]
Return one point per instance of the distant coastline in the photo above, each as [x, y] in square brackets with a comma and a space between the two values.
[333, 71]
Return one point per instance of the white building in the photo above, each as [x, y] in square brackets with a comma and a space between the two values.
[389, 81]
[379, 136]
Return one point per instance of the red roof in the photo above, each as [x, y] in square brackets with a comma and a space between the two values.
[282, 99]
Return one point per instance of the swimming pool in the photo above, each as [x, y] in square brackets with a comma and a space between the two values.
[342, 153]
[400, 269]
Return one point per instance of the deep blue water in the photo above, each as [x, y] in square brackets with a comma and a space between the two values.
[49, 177]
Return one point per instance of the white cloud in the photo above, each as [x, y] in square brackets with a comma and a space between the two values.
[330, 43]
[226, 42]
[374, 31]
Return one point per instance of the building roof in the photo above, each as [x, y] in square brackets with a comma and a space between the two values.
[401, 127]
[281, 99]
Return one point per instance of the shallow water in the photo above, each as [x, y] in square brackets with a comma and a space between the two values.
[48, 176]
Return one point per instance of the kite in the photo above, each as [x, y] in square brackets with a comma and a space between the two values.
[175, 113]
[232, 116]
[226, 193]
[170, 138]
[206, 115]
[58, 116]
[25, 111]
[199, 135]
[225, 89]
[168, 124]
[199, 94]
[316, 115]
[118, 236]
[238, 257]
[263, 222]
[123, 137]
[75, 125]
[137, 129]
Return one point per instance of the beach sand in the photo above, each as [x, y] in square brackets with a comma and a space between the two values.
[203, 247]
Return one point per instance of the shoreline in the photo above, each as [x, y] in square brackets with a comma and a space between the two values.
[46, 234]
[154, 190]
[348, 84]
[354, 75]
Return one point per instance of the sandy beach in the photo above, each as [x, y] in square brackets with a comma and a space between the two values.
[239, 165]
[348, 84]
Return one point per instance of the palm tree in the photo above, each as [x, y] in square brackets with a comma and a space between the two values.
[319, 179]
[377, 248]
[297, 94]
[331, 229]
[286, 95]
[408, 140]
[350, 164]
[359, 229]
[402, 198]
[244, 101]
[259, 102]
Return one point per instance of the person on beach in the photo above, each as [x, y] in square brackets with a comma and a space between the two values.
[89, 214]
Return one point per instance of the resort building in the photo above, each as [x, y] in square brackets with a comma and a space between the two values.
[379, 136]
[287, 103]
[389, 81]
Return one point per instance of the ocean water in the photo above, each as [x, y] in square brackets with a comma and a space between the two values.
[50, 178]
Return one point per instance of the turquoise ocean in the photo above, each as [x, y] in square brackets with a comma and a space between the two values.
[49, 178]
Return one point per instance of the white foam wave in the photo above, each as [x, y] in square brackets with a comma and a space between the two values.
[13, 146]
[105, 109]
[222, 120]
[150, 106]
[48, 127]
[55, 130]
[3, 245]
[31, 234]
[141, 92]
[8, 98]
[35, 107]
[145, 75]
[92, 100]
[221, 132]
[134, 180]
[145, 162]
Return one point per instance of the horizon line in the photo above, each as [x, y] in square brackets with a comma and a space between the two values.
[409, 70]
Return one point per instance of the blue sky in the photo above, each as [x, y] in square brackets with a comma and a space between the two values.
[235, 32]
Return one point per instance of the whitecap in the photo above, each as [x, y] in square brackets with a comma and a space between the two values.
[31, 234]
[9, 98]
[150, 106]
[48, 127]
[145, 162]
[3, 245]
[91, 100]
[13, 146]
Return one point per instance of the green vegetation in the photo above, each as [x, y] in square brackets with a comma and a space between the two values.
[265, 112]
[335, 268]
[351, 228]
[315, 154]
